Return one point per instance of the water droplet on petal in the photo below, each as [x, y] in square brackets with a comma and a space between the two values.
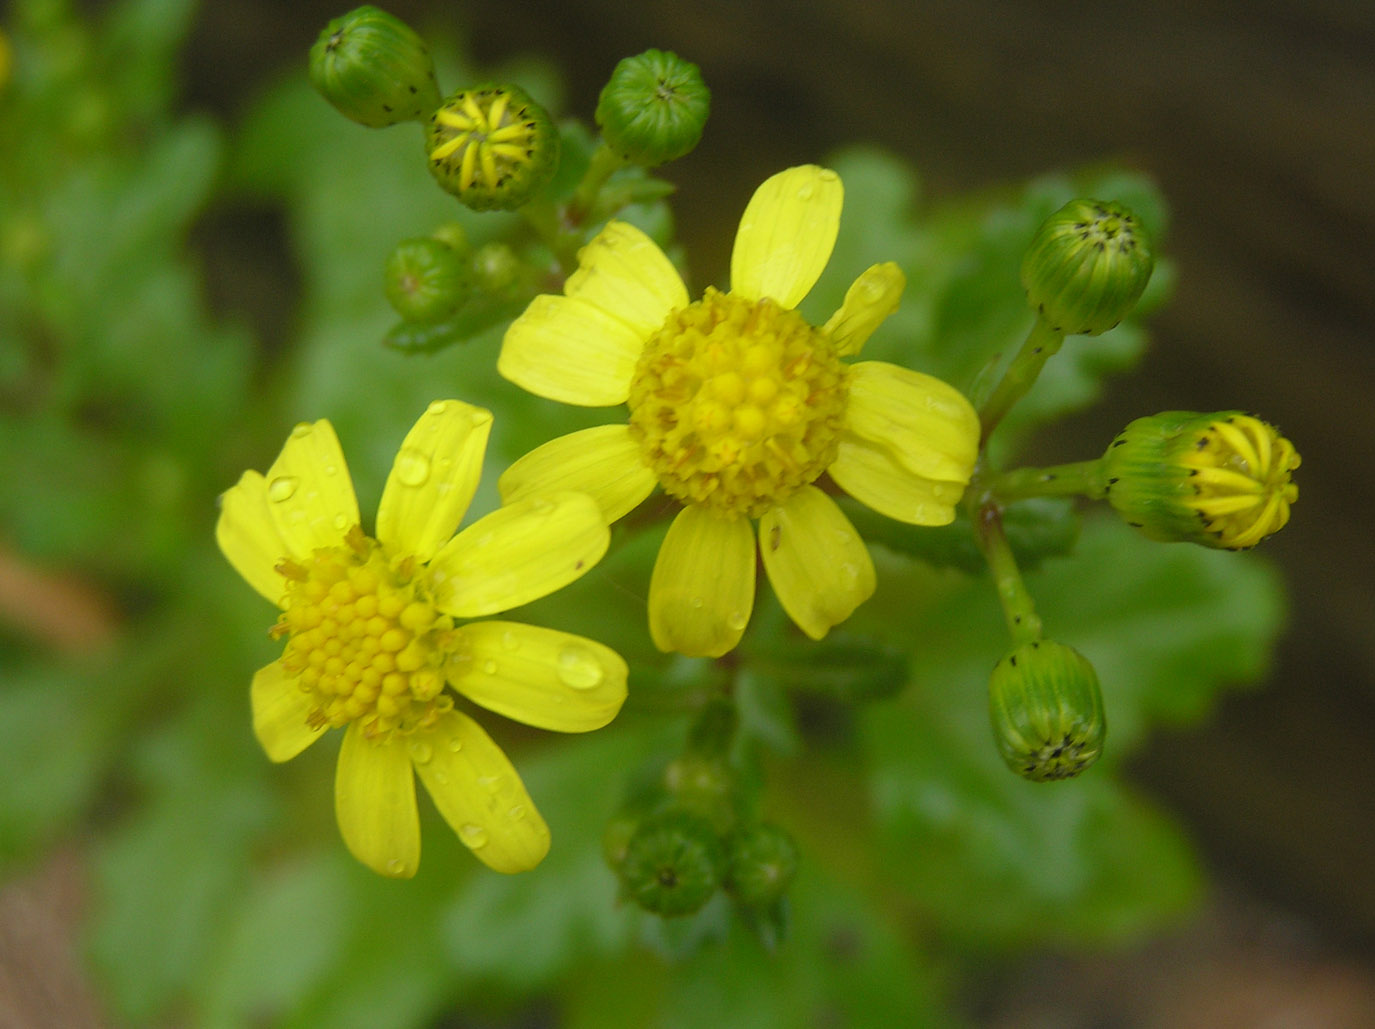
[331, 469]
[396, 866]
[696, 603]
[437, 407]
[579, 668]
[441, 778]
[737, 620]
[850, 570]
[455, 745]
[412, 467]
[421, 752]
[341, 522]
[510, 641]
[806, 192]
[517, 812]
[828, 175]
[473, 835]
[300, 430]
[490, 783]
[282, 488]
[490, 667]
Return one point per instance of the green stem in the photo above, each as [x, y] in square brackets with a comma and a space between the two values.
[1040, 345]
[1078, 479]
[1023, 623]
[603, 164]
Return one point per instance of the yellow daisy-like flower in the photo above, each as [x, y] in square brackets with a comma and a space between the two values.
[737, 407]
[376, 628]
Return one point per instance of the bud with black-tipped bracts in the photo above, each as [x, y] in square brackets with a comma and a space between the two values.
[374, 69]
[1047, 711]
[653, 108]
[673, 863]
[426, 280]
[1087, 266]
[1222, 479]
[492, 146]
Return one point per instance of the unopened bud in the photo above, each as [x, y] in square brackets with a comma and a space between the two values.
[1087, 266]
[673, 863]
[761, 864]
[1047, 711]
[374, 69]
[654, 108]
[1222, 480]
[492, 147]
[426, 280]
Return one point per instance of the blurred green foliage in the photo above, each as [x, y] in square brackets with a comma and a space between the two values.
[224, 897]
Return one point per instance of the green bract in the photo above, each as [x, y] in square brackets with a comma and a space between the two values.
[1047, 711]
[374, 69]
[673, 863]
[654, 108]
[1087, 266]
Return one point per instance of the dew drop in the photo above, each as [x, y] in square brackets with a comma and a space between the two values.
[736, 621]
[412, 467]
[696, 603]
[396, 866]
[510, 641]
[301, 430]
[517, 813]
[282, 488]
[579, 668]
[437, 407]
[490, 783]
[341, 522]
[490, 667]
[455, 745]
[331, 469]
[850, 570]
[473, 835]
[806, 192]
[421, 753]
[441, 778]
[828, 175]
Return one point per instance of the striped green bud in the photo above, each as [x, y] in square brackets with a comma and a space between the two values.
[1047, 711]
[374, 69]
[673, 863]
[1087, 266]
[761, 863]
[654, 108]
[492, 147]
[427, 281]
[1222, 480]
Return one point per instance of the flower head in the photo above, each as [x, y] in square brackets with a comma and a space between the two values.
[491, 146]
[377, 642]
[737, 407]
[1223, 480]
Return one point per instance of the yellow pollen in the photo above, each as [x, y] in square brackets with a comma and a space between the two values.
[1241, 473]
[364, 639]
[737, 403]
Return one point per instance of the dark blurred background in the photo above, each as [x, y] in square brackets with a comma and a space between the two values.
[1258, 120]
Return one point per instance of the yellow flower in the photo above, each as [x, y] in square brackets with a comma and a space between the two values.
[375, 631]
[737, 407]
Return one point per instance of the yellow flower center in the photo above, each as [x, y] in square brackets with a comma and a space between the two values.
[364, 639]
[737, 403]
[1241, 474]
[481, 133]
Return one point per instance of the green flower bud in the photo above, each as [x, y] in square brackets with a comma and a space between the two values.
[427, 281]
[704, 785]
[1047, 711]
[374, 69]
[761, 861]
[455, 237]
[1087, 266]
[654, 108]
[492, 147]
[1221, 479]
[673, 863]
[498, 268]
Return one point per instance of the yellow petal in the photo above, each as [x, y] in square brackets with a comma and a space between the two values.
[481, 796]
[280, 710]
[623, 272]
[519, 553]
[374, 801]
[542, 677]
[873, 476]
[248, 536]
[702, 590]
[434, 477]
[816, 561]
[569, 350]
[604, 462]
[870, 299]
[309, 492]
[926, 424]
[786, 235]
